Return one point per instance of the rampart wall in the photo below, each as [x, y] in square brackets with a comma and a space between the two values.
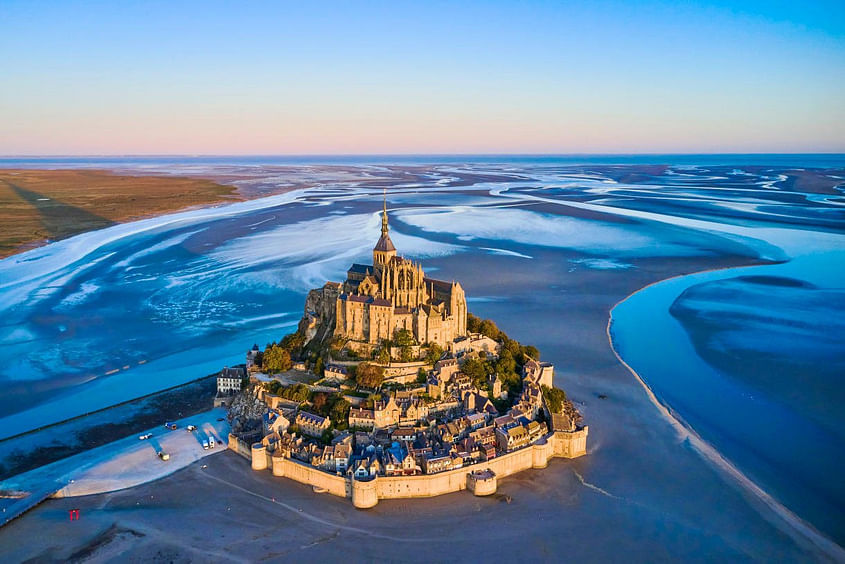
[366, 494]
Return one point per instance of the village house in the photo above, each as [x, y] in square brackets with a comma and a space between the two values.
[511, 438]
[403, 434]
[476, 342]
[475, 420]
[335, 372]
[539, 373]
[229, 380]
[437, 464]
[536, 430]
[311, 424]
[363, 418]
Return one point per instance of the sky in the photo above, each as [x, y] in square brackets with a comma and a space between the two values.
[92, 78]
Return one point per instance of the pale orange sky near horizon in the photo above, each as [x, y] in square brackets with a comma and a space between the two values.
[494, 78]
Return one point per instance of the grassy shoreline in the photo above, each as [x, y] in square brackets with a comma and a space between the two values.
[41, 206]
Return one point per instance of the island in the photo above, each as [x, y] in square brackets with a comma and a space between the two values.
[390, 388]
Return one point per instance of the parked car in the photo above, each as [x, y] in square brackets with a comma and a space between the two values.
[191, 427]
[144, 437]
[211, 442]
[164, 456]
[205, 445]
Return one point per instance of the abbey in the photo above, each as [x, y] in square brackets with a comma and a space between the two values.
[394, 293]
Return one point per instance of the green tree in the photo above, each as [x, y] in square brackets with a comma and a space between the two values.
[434, 353]
[422, 375]
[293, 343]
[276, 359]
[489, 329]
[531, 351]
[404, 338]
[339, 411]
[384, 355]
[477, 370]
[554, 398]
[506, 363]
[473, 323]
[318, 366]
[369, 375]
[298, 393]
[319, 400]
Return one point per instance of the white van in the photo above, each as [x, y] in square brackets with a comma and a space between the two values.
[211, 442]
[205, 445]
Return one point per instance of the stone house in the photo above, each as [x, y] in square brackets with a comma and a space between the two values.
[311, 424]
[229, 380]
[511, 438]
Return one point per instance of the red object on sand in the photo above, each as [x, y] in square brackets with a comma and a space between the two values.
[74, 514]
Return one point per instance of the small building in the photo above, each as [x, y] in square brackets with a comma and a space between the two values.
[476, 420]
[539, 373]
[311, 424]
[335, 372]
[229, 380]
[363, 418]
[403, 434]
[511, 438]
[252, 359]
[446, 368]
[436, 464]
[536, 430]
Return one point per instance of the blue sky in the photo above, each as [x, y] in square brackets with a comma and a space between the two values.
[421, 77]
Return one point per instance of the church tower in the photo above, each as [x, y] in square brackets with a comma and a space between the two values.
[384, 250]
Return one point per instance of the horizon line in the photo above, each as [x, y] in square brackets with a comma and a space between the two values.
[461, 154]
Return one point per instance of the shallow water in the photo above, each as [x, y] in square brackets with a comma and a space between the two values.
[114, 314]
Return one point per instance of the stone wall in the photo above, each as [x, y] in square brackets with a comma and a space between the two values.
[366, 494]
[307, 474]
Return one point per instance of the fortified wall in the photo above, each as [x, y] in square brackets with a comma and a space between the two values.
[480, 479]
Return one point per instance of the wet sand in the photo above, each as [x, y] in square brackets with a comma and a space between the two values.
[642, 493]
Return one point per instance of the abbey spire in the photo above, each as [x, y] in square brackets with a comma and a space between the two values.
[384, 250]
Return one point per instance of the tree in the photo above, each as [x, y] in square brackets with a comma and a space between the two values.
[369, 375]
[339, 411]
[318, 400]
[506, 363]
[293, 343]
[488, 329]
[434, 353]
[406, 354]
[473, 323]
[404, 338]
[327, 437]
[384, 355]
[477, 370]
[273, 386]
[318, 366]
[554, 398]
[531, 351]
[298, 393]
[276, 359]
[422, 375]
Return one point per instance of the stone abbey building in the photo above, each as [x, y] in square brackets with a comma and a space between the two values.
[394, 293]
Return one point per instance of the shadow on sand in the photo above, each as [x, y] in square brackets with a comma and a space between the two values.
[59, 219]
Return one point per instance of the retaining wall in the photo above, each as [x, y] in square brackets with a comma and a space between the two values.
[366, 494]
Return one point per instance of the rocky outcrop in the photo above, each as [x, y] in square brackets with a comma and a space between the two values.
[318, 321]
[246, 411]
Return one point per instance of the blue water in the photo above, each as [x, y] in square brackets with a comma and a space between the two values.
[111, 315]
